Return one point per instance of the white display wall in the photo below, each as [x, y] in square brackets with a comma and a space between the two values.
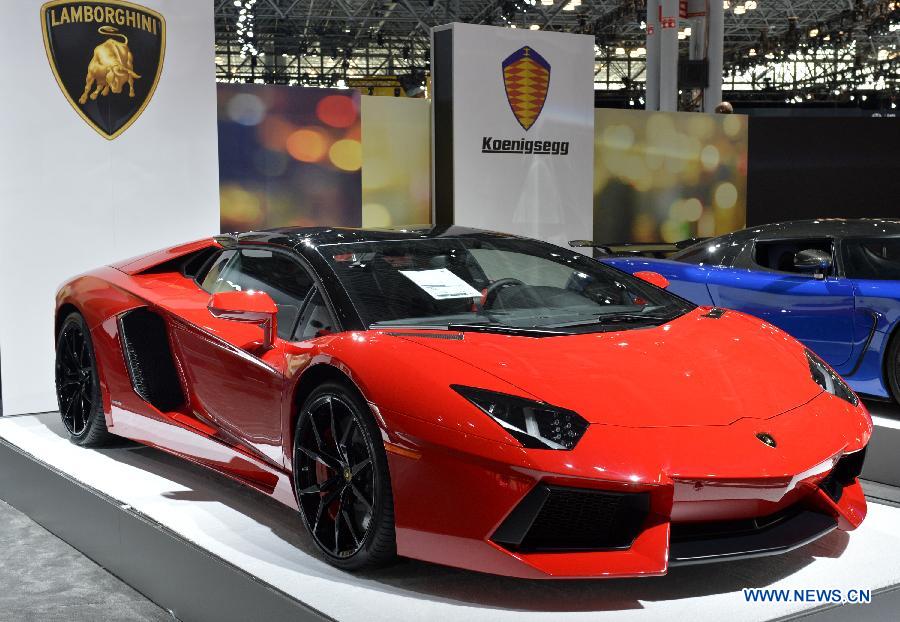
[71, 200]
[539, 182]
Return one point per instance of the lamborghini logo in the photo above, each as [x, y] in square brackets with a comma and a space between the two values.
[106, 56]
[526, 76]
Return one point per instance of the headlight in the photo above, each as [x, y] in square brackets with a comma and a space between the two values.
[534, 424]
[829, 380]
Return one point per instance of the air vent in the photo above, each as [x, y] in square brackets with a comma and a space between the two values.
[715, 313]
[445, 336]
[148, 356]
[554, 518]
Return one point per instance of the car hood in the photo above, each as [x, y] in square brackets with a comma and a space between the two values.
[692, 371]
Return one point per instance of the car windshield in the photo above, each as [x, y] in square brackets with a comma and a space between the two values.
[493, 283]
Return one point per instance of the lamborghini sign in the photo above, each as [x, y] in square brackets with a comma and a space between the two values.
[107, 58]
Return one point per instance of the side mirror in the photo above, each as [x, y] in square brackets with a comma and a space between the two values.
[813, 261]
[654, 278]
[249, 306]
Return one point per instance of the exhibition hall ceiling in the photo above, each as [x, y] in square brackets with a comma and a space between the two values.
[325, 41]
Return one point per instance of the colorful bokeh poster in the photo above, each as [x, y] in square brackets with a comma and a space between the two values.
[288, 156]
[668, 176]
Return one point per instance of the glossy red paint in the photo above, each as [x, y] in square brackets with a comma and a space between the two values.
[654, 278]
[674, 412]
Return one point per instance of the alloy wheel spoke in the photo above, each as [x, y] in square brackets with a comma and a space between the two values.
[350, 528]
[359, 466]
[322, 487]
[321, 458]
[361, 497]
[334, 434]
[324, 502]
[337, 522]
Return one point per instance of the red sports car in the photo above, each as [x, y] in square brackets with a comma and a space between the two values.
[468, 398]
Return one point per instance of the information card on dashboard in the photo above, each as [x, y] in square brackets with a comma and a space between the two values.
[441, 284]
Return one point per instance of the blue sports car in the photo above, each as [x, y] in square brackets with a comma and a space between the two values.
[833, 284]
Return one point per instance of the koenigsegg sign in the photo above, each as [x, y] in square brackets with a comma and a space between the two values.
[513, 130]
[526, 78]
[107, 58]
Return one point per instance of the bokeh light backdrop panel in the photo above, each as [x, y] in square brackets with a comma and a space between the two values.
[396, 156]
[288, 156]
[668, 176]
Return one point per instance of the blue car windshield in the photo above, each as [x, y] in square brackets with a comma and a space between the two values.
[492, 281]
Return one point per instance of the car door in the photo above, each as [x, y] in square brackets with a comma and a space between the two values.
[236, 384]
[763, 282]
[872, 264]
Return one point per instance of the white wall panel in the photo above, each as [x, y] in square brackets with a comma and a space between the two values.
[70, 200]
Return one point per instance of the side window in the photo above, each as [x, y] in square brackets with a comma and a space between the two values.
[316, 320]
[877, 259]
[778, 255]
[720, 252]
[280, 276]
[212, 275]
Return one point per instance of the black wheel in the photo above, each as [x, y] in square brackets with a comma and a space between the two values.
[77, 384]
[892, 367]
[341, 479]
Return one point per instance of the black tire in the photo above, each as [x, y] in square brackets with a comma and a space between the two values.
[341, 479]
[78, 384]
[892, 367]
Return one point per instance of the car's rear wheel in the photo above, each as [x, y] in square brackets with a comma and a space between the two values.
[341, 479]
[78, 384]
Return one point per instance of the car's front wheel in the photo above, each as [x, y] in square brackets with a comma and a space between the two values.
[341, 479]
[78, 384]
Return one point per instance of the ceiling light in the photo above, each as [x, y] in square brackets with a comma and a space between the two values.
[534, 27]
[739, 9]
[750, 5]
[813, 32]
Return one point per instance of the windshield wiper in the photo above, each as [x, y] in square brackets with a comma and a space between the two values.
[502, 329]
[618, 318]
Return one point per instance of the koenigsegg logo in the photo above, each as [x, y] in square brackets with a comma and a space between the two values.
[766, 439]
[107, 58]
[526, 76]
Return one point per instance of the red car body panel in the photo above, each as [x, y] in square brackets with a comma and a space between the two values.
[664, 420]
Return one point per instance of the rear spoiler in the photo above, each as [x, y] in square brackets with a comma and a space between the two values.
[634, 248]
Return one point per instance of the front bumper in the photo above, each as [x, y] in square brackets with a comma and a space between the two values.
[627, 501]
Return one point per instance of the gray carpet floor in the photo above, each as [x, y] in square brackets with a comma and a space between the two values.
[44, 579]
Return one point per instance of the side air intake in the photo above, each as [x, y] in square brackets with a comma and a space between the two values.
[556, 518]
[148, 356]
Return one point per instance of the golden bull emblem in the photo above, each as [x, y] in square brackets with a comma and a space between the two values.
[111, 67]
[107, 58]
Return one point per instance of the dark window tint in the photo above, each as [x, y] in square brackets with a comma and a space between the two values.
[718, 252]
[779, 255]
[877, 259]
[280, 276]
[316, 320]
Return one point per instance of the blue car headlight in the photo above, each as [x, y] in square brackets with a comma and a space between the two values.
[534, 424]
[828, 380]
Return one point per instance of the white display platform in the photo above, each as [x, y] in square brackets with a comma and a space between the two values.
[267, 541]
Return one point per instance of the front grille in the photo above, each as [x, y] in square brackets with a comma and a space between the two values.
[553, 518]
[843, 474]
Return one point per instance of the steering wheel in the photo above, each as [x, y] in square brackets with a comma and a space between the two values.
[490, 294]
